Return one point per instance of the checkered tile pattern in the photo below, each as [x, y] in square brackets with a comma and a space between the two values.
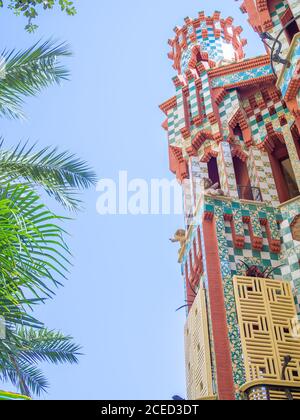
[172, 125]
[176, 116]
[263, 258]
[261, 176]
[180, 111]
[259, 164]
[293, 154]
[226, 170]
[206, 94]
[218, 49]
[229, 106]
[193, 100]
[290, 71]
[258, 129]
[276, 19]
[291, 249]
[198, 170]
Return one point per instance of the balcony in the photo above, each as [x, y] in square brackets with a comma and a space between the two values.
[247, 192]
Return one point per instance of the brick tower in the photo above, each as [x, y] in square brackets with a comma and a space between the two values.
[234, 145]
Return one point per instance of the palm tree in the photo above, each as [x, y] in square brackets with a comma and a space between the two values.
[31, 348]
[33, 260]
[23, 74]
[34, 257]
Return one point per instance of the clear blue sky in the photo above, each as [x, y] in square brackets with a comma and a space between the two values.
[125, 285]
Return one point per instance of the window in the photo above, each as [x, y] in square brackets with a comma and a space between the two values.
[213, 171]
[291, 31]
[283, 172]
[242, 179]
[289, 176]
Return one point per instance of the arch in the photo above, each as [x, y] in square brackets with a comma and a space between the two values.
[239, 120]
[197, 142]
[268, 144]
[208, 154]
[178, 165]
[197, 56]
[237, 151]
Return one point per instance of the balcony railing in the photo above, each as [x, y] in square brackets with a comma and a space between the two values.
[249, 193]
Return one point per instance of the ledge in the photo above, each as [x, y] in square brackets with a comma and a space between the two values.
[239, 66]
[286, 203]
[202, 201]
[209, 398]
[269, 382]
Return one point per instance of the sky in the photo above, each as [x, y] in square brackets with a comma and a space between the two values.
[120, 300]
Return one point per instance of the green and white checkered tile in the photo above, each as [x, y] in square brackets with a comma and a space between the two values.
[276, 19]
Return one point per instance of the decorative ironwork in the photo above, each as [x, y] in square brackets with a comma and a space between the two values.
[277, 51]
[256, 271]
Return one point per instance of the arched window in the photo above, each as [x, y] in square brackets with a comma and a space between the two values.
[213, 171]
[238, 134]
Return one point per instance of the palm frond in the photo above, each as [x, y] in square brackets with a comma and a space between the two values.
[44, 345]
[24, 348]
[26, 73]
[33, 254]
[60, 174]
[26, 377]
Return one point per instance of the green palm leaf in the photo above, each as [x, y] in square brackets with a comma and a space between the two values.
[47, 346]
[27, 378]
[24, 348]
[33, 254]
[60, 174]
[26, 73]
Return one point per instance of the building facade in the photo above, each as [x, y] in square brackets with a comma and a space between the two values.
[234, 145]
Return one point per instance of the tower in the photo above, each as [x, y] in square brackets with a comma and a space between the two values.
[234, 146]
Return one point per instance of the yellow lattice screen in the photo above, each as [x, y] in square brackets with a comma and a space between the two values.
[267, 317]
[197, 351]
